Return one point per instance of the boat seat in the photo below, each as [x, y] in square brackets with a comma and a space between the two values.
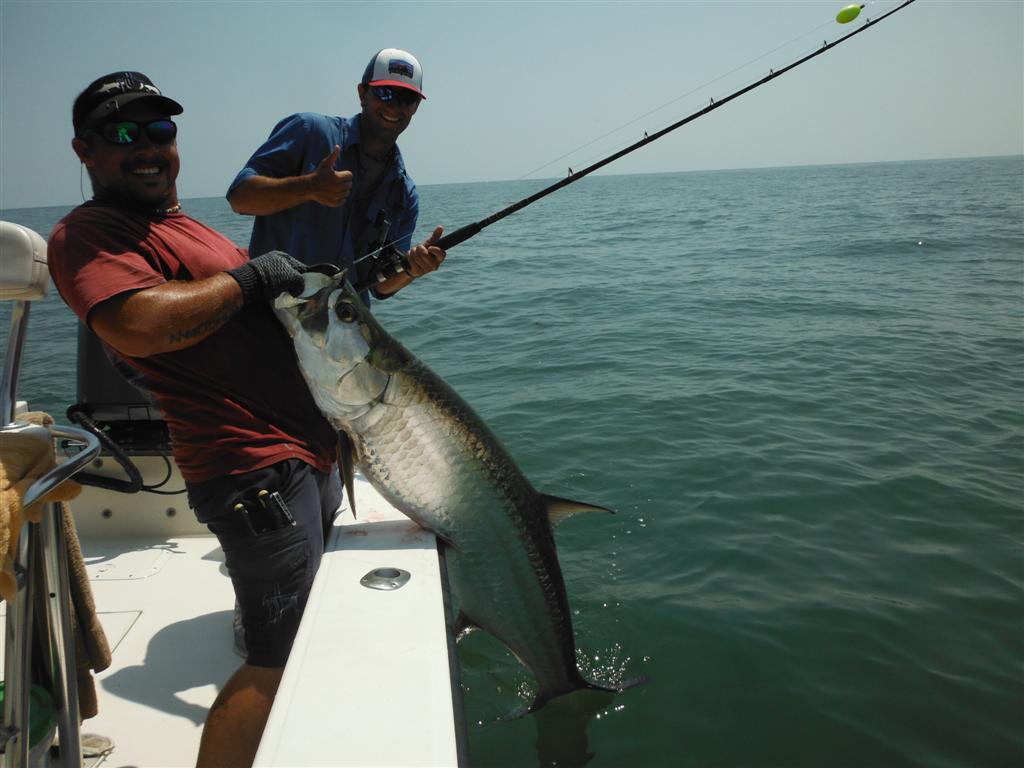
[23, 273]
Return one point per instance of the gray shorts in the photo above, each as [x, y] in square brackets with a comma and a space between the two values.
[272, 543]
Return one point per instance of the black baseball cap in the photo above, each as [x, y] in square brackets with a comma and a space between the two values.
[105, 95]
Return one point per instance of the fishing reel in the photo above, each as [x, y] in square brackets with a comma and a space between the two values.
[383, 260]
[386, 262]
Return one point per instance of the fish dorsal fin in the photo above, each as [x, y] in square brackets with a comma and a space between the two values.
[559, 509]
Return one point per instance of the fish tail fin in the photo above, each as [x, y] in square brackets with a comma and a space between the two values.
[562, 728]
[587, 696]
[597, 695]
[559, 509]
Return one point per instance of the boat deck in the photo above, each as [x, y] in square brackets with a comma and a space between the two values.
[166, 607]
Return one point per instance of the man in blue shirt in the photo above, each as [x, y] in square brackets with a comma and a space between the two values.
[333, 189]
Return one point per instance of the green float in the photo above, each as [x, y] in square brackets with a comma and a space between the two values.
[848, 14]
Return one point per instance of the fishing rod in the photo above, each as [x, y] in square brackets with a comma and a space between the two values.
[389, 261]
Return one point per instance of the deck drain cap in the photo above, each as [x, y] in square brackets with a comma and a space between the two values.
[385, 578]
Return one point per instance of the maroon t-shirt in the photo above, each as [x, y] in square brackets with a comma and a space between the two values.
[233, 402]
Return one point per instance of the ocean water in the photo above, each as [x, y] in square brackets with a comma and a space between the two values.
[802, 392]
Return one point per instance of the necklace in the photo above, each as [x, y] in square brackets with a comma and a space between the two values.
[123, 202]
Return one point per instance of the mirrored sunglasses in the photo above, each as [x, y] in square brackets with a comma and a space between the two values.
[160, 132]
[387, 93]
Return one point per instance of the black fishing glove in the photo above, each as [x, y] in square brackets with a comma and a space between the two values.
[268, 276]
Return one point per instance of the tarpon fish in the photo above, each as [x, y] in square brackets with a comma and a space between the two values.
[429, 454]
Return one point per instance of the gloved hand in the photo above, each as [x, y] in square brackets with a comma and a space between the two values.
[266, 277]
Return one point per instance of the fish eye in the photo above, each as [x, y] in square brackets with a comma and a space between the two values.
[345, 312]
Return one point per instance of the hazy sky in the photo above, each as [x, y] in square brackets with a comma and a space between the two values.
[512, 86]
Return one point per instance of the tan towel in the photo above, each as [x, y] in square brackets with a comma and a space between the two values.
[92, 651]
[23, 459]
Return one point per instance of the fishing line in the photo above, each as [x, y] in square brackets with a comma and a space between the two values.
[685, 95]
[673, 101]
[396, 261]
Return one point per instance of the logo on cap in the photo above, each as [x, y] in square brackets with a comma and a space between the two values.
[128, 84]
[400, 67]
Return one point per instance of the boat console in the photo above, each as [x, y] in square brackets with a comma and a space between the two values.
[108, 398]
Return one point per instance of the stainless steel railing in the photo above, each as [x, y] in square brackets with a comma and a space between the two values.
[60, 643]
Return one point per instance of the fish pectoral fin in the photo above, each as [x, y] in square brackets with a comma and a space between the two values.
[559, 509]
[346, 450]
[463, 626]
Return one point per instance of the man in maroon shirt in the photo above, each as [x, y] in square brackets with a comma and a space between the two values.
[190, 312]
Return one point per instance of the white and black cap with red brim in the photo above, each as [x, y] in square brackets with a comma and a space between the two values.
[396, 68]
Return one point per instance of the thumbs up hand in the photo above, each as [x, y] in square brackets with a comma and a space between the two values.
[328, 186]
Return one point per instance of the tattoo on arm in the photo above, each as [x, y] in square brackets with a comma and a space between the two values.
[205, 328]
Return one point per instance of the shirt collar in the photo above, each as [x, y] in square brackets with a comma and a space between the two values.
[354, 138]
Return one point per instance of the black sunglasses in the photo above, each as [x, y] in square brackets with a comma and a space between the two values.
[403, 96]
[121, 132]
